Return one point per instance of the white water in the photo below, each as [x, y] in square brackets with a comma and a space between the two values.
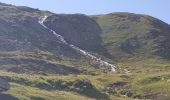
[83, 52]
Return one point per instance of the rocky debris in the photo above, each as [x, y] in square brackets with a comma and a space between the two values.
[120, 88]
[4, 85]
[117, 85]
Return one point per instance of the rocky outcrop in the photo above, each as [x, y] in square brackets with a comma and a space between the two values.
[77, 29]
[4, 85]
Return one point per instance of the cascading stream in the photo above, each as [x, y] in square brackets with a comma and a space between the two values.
[83, 52]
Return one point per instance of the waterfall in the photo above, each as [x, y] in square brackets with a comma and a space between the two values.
[83, 52]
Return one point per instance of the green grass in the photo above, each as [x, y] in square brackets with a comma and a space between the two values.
[56, 82]
[31, 93]
[148, 77]
[126, 35]
[141, 80]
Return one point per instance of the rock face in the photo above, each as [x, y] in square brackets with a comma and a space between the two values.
[77, 29]
[4, 85]
[81, 51]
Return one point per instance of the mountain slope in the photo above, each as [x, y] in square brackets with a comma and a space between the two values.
[39, 66]
[140, 44]
[128, 34]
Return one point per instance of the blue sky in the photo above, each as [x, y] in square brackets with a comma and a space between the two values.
[157, 8]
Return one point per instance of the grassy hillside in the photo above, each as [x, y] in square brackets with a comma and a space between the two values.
[126, 35]
[32, 60]
[140, 44]
[39, 67]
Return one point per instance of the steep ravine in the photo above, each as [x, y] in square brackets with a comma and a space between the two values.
[83, 52]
